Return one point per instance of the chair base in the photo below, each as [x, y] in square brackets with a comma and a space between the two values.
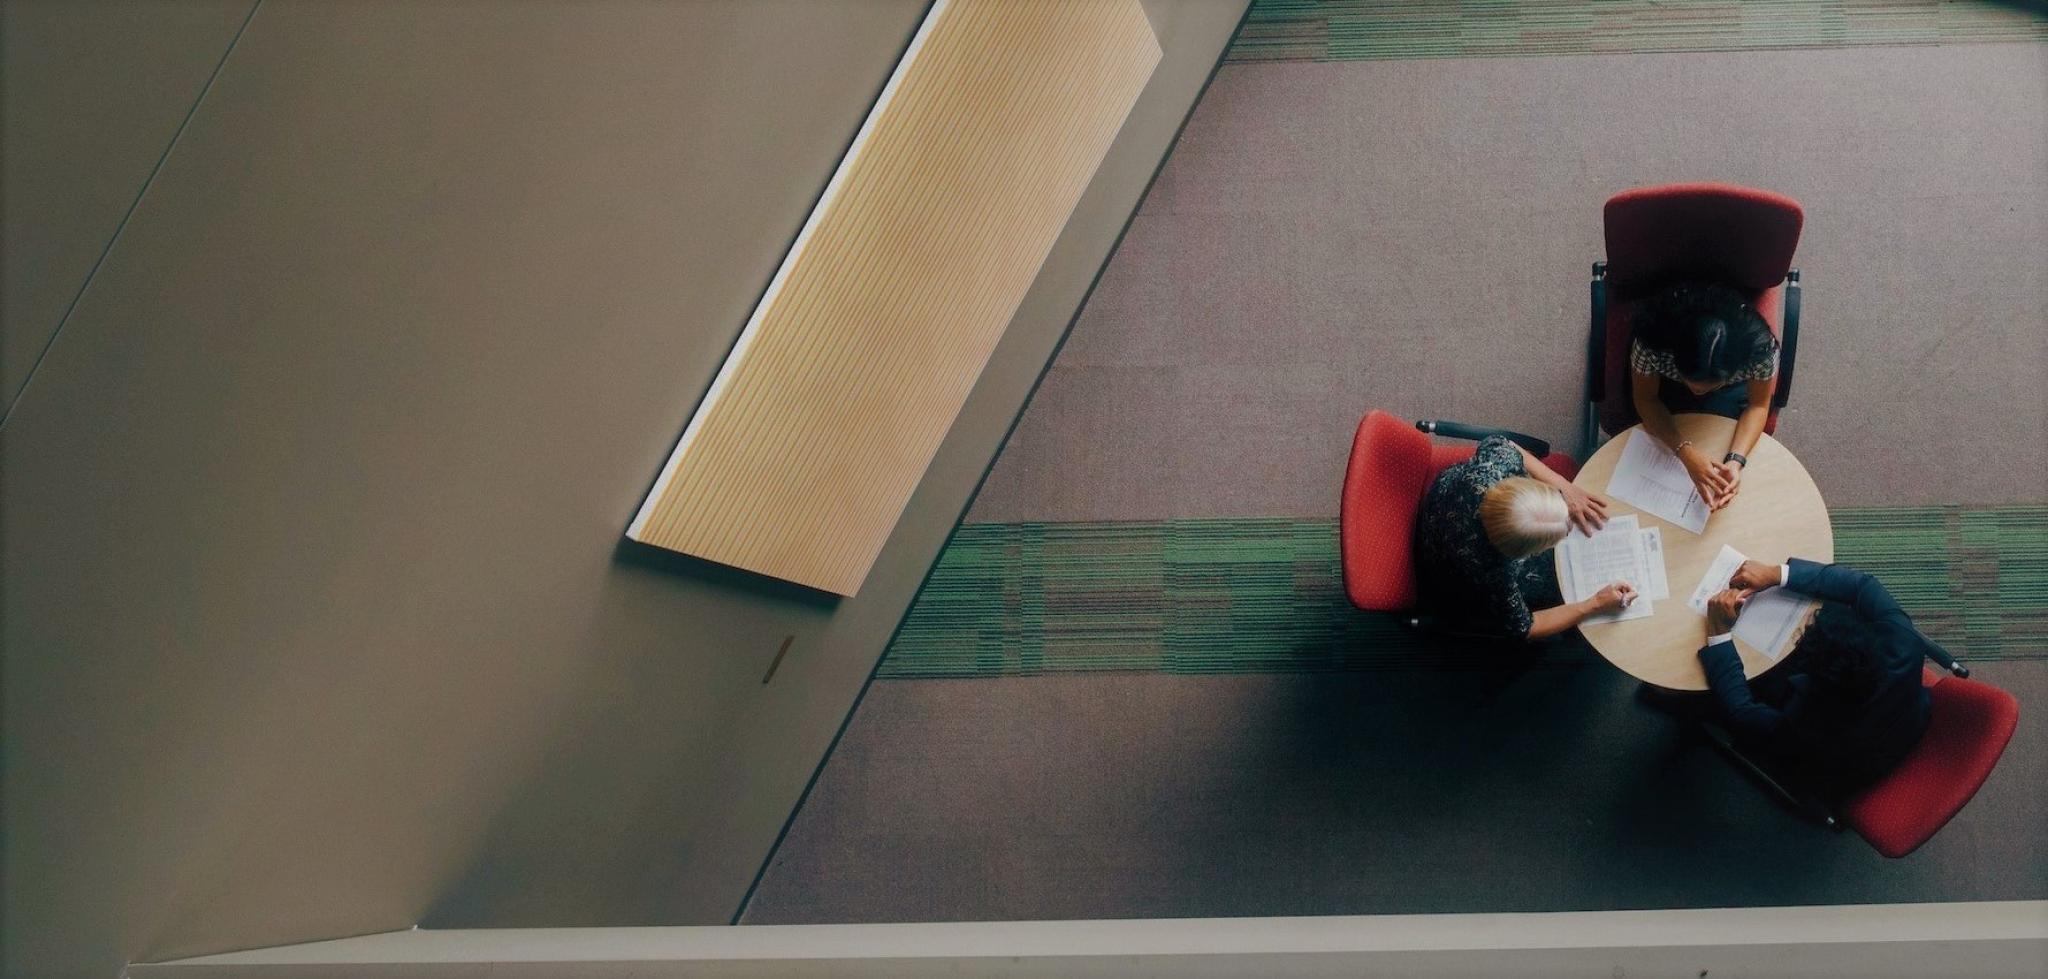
[1805, 805]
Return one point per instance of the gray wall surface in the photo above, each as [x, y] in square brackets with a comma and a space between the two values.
[93, 92]
[317, 620]
[1905, 940]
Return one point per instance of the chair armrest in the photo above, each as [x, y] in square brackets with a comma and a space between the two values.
[1945, 659]
[1596, 337]
[1458, 430]
[1800, 802]
[1788, 352]
[1435, 625]
[1596, 362]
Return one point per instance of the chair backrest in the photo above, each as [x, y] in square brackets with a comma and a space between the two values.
[1390, 469]
[1737, 235]
[1967, 730]
[1392, 464]
[1659, 235]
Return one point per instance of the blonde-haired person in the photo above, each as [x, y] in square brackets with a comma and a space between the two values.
[1480, 540]
[1523, 517]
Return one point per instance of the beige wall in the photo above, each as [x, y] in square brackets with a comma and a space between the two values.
[316, 616]
[93, 92]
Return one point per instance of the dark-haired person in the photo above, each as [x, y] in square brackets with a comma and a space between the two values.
[1849, 703]
[1699, 347]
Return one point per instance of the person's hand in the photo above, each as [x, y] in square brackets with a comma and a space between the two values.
[1588, 512]
[1706, 475]
[1755, 576]
[1731, 474]
[1612, 598]
[1723, 608]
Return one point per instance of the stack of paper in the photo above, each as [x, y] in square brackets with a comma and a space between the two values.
[1653, 480]
[1768, 619]
[1621, 551]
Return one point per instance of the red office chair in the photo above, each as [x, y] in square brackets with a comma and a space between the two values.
[1392, 464]
[1967, 730]
[1660, 235]
[1971, 722]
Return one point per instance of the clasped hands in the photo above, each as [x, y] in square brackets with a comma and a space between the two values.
[1726, 605]
[1716, 481]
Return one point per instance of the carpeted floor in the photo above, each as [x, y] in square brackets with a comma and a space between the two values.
[1353, 30]
[1132, 689]
[1415, 236]
[1148, 795]
[1266, 594]
[1187, 719]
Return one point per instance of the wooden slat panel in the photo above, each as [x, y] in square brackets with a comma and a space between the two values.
[849, 373]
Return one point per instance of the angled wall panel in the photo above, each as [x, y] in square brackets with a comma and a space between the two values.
[848, 374]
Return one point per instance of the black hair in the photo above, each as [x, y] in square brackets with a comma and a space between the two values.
[1840, 652]
[1710, 330]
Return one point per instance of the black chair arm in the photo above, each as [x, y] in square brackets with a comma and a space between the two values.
[1431, 622]
[1945, 659]
[1436, 625]
[1788, 352]
[1458, 430]
[1596, 337]
[1596, 362]
[1804, 804]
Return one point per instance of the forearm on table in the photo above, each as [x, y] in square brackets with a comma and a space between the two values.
[1540, 472]
[1750, 425]
[1558, 618]
[1655, 417]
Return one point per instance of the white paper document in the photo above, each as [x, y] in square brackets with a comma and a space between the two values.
[1650, 478]
[1716, 578]
[1659, 586]
[1615, 553]
[1768, 619]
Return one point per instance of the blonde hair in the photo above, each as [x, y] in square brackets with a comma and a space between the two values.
[1524, 517]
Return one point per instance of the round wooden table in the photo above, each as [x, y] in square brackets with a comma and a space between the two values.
[1777, 514]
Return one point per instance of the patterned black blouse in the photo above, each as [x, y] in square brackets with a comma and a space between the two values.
[1463, 578]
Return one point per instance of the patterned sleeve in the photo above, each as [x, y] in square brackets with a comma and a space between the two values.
[1501, 457]
[1639, 359]
[1506, 609]
[1762, 370]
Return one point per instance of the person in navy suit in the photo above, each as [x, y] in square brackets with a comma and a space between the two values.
[1847, 704]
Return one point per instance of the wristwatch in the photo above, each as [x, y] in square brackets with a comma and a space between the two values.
[1737, 458]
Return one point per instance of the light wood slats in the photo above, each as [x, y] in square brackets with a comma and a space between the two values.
[825, 416]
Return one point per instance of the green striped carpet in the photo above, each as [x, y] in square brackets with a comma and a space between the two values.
[1265, 595]
[1344, 30]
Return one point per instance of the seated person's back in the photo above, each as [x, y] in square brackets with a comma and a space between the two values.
[1847, 703]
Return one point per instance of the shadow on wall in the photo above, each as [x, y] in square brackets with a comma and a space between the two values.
[633, 554]
[631, 759]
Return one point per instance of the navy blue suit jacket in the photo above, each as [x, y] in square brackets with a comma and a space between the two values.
[1838, 743]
